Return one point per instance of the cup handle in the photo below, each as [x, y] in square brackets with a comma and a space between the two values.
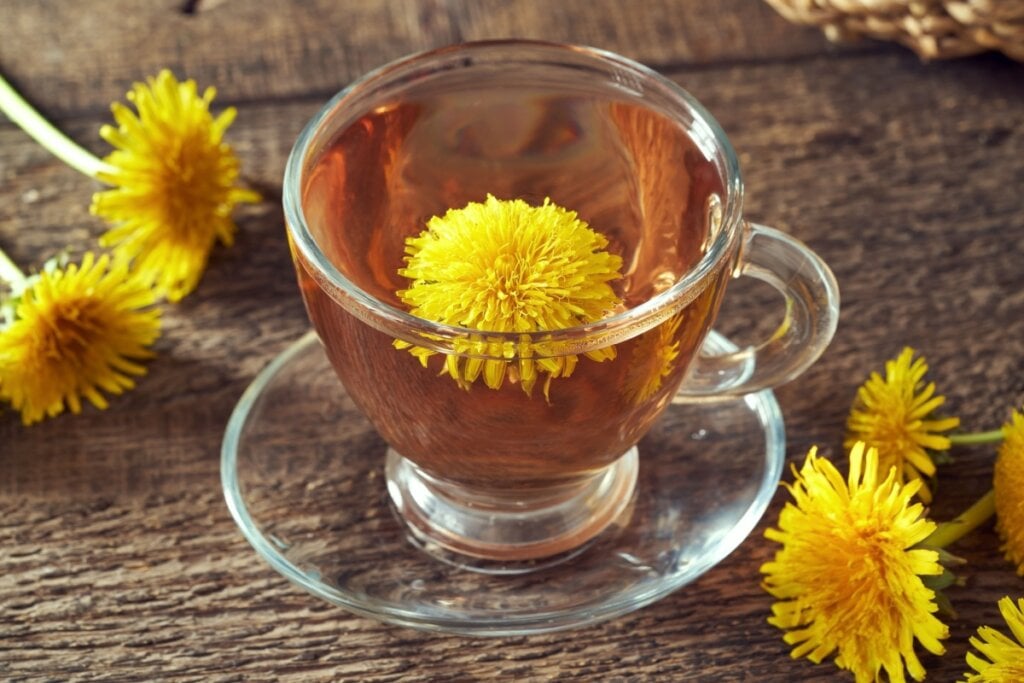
[812, 312]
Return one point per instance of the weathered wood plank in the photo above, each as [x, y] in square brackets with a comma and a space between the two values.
[186, 598]
[120, 560]
[73, 57]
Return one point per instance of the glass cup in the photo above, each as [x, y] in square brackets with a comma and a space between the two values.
[518, 475]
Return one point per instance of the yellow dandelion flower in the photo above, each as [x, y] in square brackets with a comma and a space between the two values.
[76, 332]
[848, 575]
[891, 414]
[175, 183]
[506, 266]
[1002, 658]
[652, 360]
[1008, 482]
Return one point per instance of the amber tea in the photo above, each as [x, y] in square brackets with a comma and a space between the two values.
[632, 174]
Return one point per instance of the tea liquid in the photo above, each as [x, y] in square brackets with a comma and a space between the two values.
[631, 173]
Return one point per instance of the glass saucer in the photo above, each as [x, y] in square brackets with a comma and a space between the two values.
[303, 474]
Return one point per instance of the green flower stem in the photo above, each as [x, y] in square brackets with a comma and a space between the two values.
[10, 273]
[976, 438]
[950, 532]
[60, 145]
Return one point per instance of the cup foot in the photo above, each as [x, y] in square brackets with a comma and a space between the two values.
[508, 534]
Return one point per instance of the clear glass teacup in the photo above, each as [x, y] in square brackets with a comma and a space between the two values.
[511, 444]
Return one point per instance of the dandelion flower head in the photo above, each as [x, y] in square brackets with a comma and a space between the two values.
[175, 183]
[1001, 658]
[506, 266]
[893, 414]
[848, 577]
[1008, 481]
[77, 332]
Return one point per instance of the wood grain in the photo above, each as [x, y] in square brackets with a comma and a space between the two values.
[261, 50]
[120, 560]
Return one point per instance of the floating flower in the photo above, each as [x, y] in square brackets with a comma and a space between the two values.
[175, 183]
[506, 266]
[1008, 482]
[652, 360]
[1002, 658]
[891, 414]
[76, 332]
[848, 576]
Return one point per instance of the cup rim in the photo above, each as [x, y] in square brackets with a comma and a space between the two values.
[438, 336]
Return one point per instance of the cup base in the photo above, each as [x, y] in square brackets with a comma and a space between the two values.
[303, 478]
[508, 534]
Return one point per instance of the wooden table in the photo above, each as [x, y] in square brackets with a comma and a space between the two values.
[120, 561]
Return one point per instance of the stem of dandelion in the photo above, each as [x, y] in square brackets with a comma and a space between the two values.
[970, 519]
[976, 438]
[32, 122]
[9, 272]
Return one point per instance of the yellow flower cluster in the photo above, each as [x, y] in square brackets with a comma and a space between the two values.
[858, 573]
[73, 333]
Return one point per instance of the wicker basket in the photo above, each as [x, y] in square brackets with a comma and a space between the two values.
[935, 29]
